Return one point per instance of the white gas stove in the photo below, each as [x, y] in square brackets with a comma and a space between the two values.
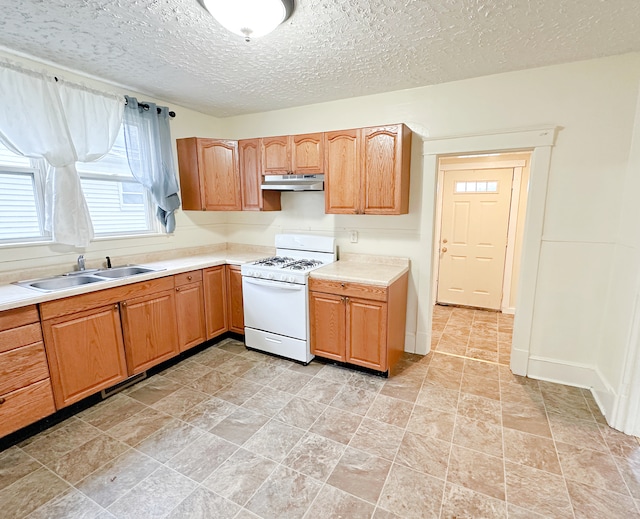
[275, 294]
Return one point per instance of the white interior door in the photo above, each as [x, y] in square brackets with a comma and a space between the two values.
[473, 236]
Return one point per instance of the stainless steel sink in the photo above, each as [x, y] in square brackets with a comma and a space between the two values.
[79, 278]
[123, 272]
[60, 283]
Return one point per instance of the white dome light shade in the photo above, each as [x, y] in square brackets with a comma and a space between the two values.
[248, 18]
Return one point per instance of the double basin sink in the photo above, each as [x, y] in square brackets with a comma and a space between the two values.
[84, 277]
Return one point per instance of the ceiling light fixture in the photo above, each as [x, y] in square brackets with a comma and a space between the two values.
[249, 18]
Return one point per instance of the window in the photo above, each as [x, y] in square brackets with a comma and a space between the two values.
[21, 198]
[118, 204]
[490, 186]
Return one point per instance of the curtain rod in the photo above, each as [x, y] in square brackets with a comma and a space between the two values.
[144, 106]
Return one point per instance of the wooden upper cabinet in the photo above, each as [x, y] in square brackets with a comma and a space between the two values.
[342, 172]
[209, 174]
[254, 198]
[293, 154]
[367, 170]
[307, 154]
[276, 155]
[385, 165]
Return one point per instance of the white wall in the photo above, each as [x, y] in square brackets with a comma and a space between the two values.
[192, 228]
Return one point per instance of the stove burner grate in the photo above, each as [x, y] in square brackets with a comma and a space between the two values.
[303, 265]
[275, 261]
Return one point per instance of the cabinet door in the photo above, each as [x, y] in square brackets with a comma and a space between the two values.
[218, 164]
[215, 298]
[342, 172]
[234, 297]
[85, 353]
[190, 315]
[367, 333]
[254, 198]
[308, 154]
[385, 178]
[276, 155]
[150, 330]
[327, 325]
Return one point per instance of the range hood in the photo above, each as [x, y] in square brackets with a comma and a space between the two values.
[293, 183]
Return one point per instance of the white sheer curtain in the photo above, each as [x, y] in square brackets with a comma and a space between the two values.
[62, 123]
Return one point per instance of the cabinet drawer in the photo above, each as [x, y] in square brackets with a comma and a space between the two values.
[22, 336]
[349, 289]
[187, 277]
[25, 406]
[22, 366]
[18, 317]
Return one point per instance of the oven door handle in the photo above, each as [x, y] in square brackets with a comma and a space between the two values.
[283, 285]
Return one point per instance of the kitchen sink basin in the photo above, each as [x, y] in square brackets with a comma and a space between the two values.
[123, 272]
[60, 283]
[81, 277]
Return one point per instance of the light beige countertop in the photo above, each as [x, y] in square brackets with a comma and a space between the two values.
[364, 268]
[14, 296]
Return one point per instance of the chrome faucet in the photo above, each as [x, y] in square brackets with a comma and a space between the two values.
[81, 262]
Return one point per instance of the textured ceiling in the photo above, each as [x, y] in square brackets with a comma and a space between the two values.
[328, 49]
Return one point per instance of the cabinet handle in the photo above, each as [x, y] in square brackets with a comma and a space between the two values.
[2, 400]
[342, 285]
[124, 303]
[189, 278]
[178, 289]
[115, 307]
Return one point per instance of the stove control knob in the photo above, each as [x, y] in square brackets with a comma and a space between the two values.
[256, 274]
[269, 276]
[291, 279]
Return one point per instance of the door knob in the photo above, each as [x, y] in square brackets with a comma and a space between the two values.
[444, 249]
[445, 240]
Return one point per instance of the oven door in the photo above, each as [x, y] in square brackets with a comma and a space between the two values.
[275, 307]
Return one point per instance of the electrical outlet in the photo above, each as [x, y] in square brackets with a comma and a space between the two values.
[353, 236]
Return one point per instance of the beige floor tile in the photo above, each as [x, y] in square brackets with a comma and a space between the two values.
[432, 422]
[480, 408]
[332, 503]
[240, 425]
[15, 464]
[629, 468]
[408, 493]
[31, 492]
[237, 366]
[620, 444]
[300, 412]
[186, 372]
[180, 401]
[334, 373]
[536, 490]
[576, 432]
[268, 401]
[140, 426]
[239, 391]
[477, 471]
[480, 386]
[360, 474]
[390, 410]
[263, 373]
[238, 478]
[336, 425]
[589, 502]
[403, 387]
[366, 381]
[290, 381]
[82, 461]
[379, 439]
[204, 504]
[594, 468]
[154, 496]
[212, 382]
[424, 454]
[531, 419]
[72, 505]
[155, 389]
[274, 440]
[111, 412]
[447, 362]
[116, 478]
[353, 400]
[481, 369]
[208, 413]
[168, 441]
[319, 390]
[478, 435]
[48, 447]
[201, 457]
[315, 456]
[532, 451]
[461, 503]
[286, 494]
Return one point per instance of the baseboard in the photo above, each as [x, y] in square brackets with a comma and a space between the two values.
[604, 395]
[568, 373]
[510, 310]
[519, 362]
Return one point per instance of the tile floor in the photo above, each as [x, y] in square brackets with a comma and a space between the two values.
[230, 433]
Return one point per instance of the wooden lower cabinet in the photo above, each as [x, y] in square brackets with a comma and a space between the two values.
[234, 299]
[357, 323]
[85, 352]
[25, 387]
[190, 309]
[215, 301]
[150, 330]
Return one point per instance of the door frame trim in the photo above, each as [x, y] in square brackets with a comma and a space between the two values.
[539, 141]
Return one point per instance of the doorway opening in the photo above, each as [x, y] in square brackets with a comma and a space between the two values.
[480, 215]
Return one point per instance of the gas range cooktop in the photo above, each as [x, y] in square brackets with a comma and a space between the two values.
[286, 263]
